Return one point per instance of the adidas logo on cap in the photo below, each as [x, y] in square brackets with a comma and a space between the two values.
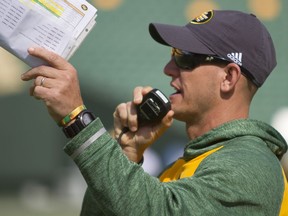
[235, 57]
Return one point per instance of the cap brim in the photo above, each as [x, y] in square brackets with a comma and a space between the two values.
[179, 37]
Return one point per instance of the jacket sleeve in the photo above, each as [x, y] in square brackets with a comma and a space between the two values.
[117, 186]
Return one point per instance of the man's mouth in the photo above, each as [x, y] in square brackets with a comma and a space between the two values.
[177, 90]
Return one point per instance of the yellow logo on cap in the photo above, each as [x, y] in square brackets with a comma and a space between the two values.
[203, 18]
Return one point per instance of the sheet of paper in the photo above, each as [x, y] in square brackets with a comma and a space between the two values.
[57, 25]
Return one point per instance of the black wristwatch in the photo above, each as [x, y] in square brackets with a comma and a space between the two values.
[83, 119]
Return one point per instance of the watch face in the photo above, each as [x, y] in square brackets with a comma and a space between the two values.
[87, 118]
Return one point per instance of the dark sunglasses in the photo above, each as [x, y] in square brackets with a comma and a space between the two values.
[188, 61]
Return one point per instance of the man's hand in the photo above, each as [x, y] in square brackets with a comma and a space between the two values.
[133, 139]
[57, 84]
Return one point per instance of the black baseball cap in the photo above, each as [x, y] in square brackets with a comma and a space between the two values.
[232, 35]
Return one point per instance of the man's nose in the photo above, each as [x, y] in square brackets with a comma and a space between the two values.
[171, 68]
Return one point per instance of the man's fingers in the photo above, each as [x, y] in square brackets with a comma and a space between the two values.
[168, 119]
[121, 114]
[37, 92]
[58, 67]
[40, 81]
[132, 116]
[139, 92]
[40, 72]
[51, 58]
[125, 115]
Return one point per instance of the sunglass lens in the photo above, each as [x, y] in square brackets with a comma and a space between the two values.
[184, 61]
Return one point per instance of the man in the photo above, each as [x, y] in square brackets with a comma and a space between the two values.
[231, 164]
[284, 163]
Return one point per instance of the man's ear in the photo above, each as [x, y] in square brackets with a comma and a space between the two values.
[233, 74]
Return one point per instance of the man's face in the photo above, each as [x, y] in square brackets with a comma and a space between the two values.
[197, 90]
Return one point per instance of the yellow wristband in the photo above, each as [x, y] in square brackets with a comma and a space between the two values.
[71, 115]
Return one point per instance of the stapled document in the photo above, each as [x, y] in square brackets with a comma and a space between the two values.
[57, 25]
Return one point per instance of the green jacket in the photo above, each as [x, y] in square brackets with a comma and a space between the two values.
[243, 177]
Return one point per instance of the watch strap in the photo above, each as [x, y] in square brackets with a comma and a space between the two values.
[79, 124]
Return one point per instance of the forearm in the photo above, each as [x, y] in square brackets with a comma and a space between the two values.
[118, 185]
